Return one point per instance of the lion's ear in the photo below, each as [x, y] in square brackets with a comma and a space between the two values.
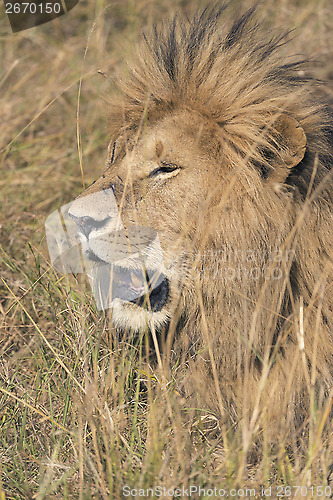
[290, 143]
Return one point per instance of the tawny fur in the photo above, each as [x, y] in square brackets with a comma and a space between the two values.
[241, 335]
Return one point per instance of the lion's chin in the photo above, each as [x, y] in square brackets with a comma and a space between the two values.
[146, 311]
[128, 316]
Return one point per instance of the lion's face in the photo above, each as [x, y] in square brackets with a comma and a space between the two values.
[169, 196]
[144, 216]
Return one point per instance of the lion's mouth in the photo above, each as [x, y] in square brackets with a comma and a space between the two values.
[146, 288]
[141, 287]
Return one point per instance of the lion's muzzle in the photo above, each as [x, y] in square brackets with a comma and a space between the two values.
[88, 236]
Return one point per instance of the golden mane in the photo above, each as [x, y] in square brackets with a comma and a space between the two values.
[234, 77]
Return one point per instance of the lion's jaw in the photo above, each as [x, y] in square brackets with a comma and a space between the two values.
[127, 268]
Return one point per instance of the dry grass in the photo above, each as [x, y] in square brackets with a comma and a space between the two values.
[80, 414]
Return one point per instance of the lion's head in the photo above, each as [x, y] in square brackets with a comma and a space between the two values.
[218, 167]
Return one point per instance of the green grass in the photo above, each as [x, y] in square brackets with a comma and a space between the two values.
[81, 413]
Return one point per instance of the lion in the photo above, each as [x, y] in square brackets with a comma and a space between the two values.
[219, 164]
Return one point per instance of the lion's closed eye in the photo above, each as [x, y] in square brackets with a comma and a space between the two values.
[165, 167]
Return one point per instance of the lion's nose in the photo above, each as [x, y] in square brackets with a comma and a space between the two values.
[86, 224]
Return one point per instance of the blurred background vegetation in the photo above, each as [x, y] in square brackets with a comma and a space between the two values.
[78, 418]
